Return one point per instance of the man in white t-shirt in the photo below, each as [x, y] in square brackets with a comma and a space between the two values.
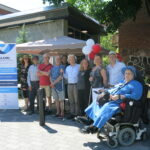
[71, 74]
[114, 69]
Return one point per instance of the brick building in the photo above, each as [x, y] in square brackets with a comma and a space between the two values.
[134, 41]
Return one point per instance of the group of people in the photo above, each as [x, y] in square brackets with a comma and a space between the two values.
[34, 76]
[66, 78]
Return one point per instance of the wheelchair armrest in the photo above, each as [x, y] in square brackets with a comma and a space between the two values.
[128, 101]
[132, 102]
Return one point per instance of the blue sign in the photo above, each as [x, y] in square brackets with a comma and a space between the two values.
[8, 70]
[8, 90]
[8, 83]
[4, 49]
[8, 77]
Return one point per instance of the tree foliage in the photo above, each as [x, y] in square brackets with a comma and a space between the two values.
[23, 35]
[106, 42]
[116, 12]
[111, 13]
[55, 2]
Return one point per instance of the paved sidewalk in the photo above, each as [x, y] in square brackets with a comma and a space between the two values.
[21, 132]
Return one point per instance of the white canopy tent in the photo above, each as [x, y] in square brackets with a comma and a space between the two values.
[54, 46]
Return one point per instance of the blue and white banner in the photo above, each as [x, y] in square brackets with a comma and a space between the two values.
[8, 77]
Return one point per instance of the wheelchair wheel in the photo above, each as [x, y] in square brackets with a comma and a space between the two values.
[112, 142]
[126, 136]
[41, 97]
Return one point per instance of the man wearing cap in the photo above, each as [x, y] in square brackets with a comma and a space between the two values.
[114, 69]
[33, 83]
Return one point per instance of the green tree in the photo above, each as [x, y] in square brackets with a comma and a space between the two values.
[23, 35]
[111, 12]
[106, 42]
[55, 2]
[115, 12]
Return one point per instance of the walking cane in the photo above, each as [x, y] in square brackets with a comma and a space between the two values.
[62, 74]
[89, 101]
[90, 96]
[63, 88]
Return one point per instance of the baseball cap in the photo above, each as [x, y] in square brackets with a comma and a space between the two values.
[112, 53]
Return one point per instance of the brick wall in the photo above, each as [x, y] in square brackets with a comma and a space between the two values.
[134, 37]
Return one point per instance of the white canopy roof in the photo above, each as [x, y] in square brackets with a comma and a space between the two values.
[54, 46]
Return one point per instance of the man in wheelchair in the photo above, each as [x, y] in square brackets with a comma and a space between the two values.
[116, 113]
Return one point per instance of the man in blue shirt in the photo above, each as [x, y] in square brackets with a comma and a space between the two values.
[58, 91]
[33, 83]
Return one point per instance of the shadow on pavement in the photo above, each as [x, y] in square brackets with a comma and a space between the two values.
[54, 120]
[48, 129]
[96, 145]
[16, 116]
[20, 116]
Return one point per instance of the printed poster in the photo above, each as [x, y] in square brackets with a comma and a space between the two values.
[8, 77]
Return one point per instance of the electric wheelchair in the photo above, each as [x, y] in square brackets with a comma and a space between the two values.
[128, 125]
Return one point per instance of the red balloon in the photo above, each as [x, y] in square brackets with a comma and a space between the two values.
[92, 55]
[96, 48]
[119, 57]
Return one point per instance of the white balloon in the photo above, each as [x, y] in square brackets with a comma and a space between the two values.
[86, 50]
[90, 42]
